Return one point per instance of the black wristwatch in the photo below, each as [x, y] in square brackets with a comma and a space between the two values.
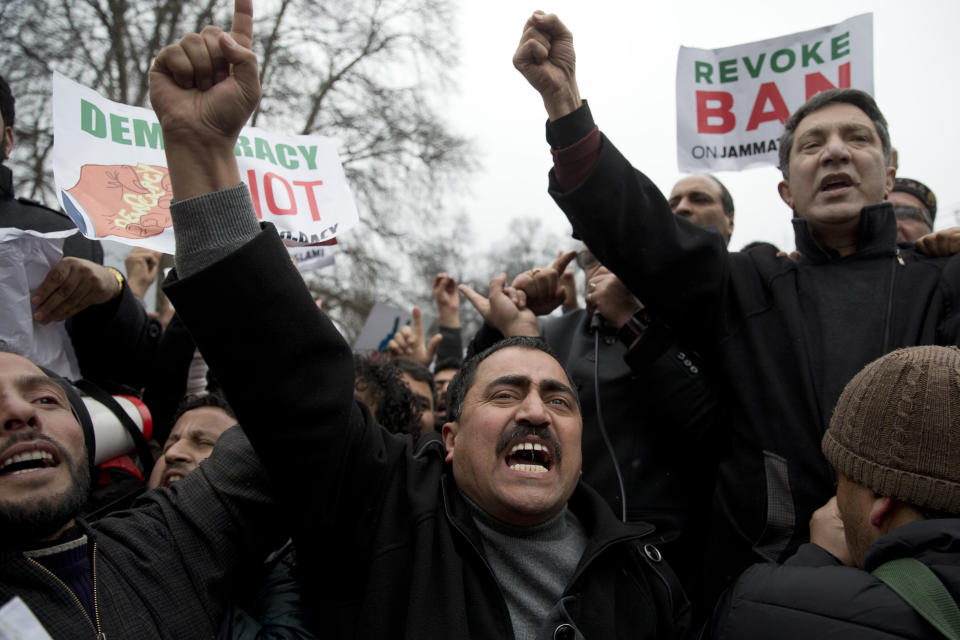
[633, 328]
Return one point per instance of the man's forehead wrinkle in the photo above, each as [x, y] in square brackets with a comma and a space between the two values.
[32, 380]
[29, 382]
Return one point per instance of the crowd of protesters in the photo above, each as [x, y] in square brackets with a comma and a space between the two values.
[714, 444]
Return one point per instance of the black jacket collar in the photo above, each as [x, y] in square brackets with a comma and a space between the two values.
[938, 536]
[602, 527]
[877, 235]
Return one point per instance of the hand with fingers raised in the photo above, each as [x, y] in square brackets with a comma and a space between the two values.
[447, 299]
[410, 343]
[204, 89]
[503, 308]
[542, 287]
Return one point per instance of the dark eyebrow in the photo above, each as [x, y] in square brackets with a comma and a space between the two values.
[515, 380]
[812, 132]
[694, 192]
[547, 385]
[857, 126]
[202, 432]
[552, 386]
[846, 127]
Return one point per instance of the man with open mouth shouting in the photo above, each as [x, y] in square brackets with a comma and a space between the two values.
[44, 477]
[165, 568]
[490, 536]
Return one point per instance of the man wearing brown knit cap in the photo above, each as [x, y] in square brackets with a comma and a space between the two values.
[894, 440]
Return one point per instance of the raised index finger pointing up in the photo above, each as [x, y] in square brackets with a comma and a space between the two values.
[560, 264]
[242, 29]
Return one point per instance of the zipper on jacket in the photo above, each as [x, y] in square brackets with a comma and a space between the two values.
[95, 627]
[887, 320]
[96, 600]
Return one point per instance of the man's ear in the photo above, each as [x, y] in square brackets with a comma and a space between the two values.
[891, 177]
[784, 189]
[882, 511]
[449, 433]
[8, 139]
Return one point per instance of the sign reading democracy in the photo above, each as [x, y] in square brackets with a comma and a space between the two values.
[112, 179]
[732, 102]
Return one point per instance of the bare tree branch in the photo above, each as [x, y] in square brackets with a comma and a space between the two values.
[367, 73]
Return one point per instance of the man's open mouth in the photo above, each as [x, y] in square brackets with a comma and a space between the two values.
[835, 181]
[26, 461]
[171, 478]
[530, 456]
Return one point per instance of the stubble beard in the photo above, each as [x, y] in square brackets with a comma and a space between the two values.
[27, 522]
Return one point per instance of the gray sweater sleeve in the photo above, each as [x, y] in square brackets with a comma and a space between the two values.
[209, 227]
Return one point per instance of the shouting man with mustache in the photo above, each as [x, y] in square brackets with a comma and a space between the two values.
[485, 533]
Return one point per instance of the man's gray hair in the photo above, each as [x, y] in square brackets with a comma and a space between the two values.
[860, 99]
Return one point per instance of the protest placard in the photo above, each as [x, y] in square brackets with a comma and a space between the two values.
[18, 622]
[112, 180]
[312, 258]
[26, 257]
[732, 102]
[383, 321]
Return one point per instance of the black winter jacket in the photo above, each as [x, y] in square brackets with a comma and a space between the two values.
[168, 567]
[812, 595]
[785, 337]
[21, 213]
[385, 543]
[656, 412]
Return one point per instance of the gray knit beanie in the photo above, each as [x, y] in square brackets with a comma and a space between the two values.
[896, 428]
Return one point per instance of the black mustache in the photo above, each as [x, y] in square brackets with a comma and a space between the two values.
[524, 430]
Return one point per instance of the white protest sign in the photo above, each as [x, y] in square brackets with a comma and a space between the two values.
[17, 622]
[312, 258]
[732, 102]
[26, 257]
[383, 321]
[112, 180]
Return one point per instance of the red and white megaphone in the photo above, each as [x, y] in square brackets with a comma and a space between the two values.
[111, 438]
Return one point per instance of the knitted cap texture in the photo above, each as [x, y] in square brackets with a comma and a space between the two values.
[896, 427]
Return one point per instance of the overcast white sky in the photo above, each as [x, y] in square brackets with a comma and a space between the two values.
[626, 68]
